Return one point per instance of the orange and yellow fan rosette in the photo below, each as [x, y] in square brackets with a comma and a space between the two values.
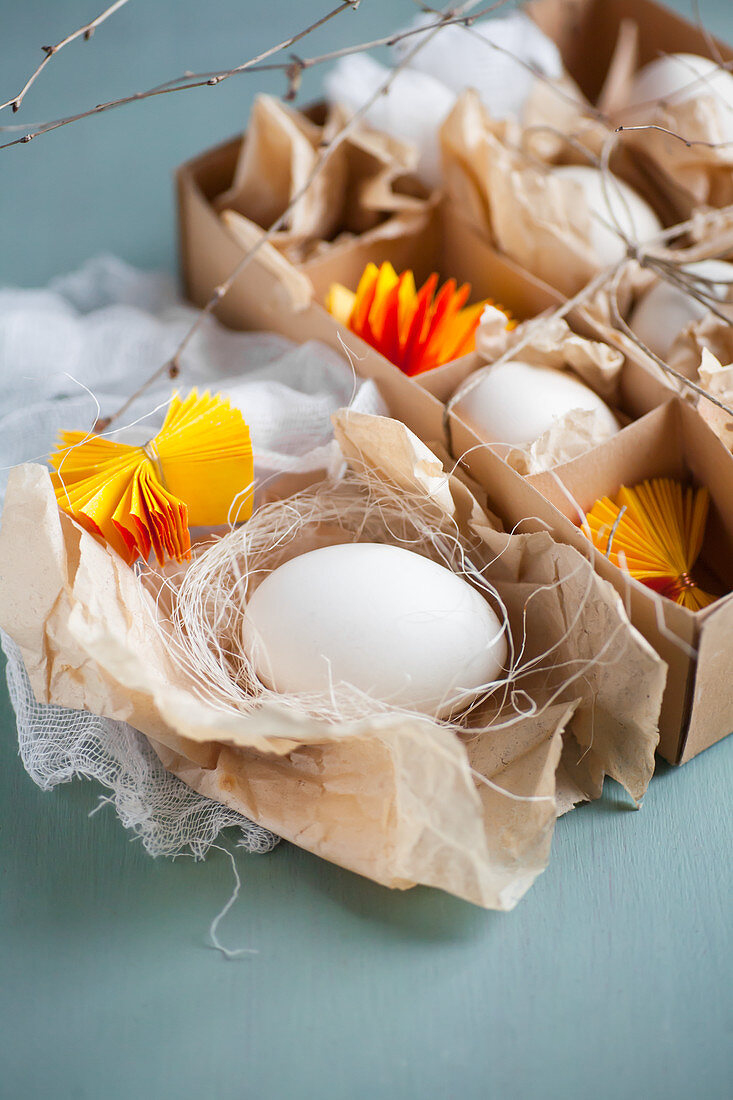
[416, 330]
[654, 531]
[196, 472]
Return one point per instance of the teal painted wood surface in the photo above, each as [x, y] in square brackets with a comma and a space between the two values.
[612, 977]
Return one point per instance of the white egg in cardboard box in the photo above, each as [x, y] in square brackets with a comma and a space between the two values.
[666, 309]
[384, 620]
[619, 203]
[679, 78]
[515, 402]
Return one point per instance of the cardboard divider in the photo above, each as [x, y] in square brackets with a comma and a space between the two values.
[672, 441]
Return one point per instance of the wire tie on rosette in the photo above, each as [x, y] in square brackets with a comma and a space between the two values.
[151, 451]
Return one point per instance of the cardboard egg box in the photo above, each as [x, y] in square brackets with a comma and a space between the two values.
[670, 441]
[273, 293]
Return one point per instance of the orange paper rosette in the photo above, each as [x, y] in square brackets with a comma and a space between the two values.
[416, 330]
[196, 472]
[654, 531]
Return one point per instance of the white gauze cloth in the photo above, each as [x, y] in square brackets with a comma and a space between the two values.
[102, 331]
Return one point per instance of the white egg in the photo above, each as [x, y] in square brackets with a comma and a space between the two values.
[412, 109]
[503, 76]
[665, 310]
[624, 206]
[680, 77]
[395, 625]
[515, 403]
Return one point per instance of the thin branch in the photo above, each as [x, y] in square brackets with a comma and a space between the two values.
[217, 78]
[213, 79]
[466, 21]
[195, 80]
[84, 32]
[690, 143]
[173, 367]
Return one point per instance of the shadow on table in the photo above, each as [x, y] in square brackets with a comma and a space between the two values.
[422, 913]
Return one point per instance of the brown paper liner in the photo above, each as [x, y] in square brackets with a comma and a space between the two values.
[365, 188]
[391, 799]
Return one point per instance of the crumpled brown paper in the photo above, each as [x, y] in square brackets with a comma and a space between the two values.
[558, 123]
[710, 334]
[717, 380]
[569, 437]
[365, 188]
[550, 342]
[538, 219]
[395, 798]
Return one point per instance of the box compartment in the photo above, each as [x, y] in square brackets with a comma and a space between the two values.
[272, 293]
[672, 441]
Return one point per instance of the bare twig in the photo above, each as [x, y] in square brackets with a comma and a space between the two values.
[193, 80]
[690, 143]
[359, 47]
[84, 32]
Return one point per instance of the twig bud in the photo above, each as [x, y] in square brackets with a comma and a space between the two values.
[294, 73]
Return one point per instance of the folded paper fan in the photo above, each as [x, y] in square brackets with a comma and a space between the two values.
[197, 471]
[654, 531]
[415, 329]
